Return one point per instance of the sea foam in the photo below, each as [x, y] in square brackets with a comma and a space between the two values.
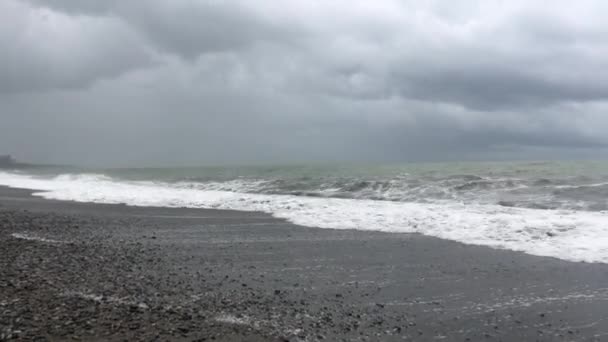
[566, 234]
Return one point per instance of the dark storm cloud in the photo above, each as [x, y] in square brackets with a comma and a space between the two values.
[72, 44]
[185, 28]
[43, 50]
[495, 87]
[531, 60]
[201, 81]
[88, 7]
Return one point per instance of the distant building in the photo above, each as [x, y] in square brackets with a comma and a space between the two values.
[6, 160]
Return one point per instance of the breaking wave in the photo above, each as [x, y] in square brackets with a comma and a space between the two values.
[574, 235]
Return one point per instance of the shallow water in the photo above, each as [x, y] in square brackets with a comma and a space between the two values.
[545, 208]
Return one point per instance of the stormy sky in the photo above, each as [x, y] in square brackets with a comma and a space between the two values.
[193, 82]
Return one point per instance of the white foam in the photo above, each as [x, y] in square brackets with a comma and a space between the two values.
[105, 299]
[23, 236]
[593, 185]
[234, 320]
[528, 301]
[570, 235]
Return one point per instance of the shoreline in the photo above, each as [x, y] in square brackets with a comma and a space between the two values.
[113, 272]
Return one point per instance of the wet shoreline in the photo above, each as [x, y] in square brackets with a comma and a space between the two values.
[113, 272]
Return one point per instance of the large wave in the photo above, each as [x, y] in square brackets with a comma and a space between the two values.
[566, 234]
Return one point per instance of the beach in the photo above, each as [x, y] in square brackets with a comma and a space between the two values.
[113, 272]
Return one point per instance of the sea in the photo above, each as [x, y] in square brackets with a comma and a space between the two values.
[547, 208]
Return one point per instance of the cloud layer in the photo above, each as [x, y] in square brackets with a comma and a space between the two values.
[157, 82]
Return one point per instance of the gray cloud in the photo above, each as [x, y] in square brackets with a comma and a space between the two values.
[157, 82]
[493, 87]
[44, 50]
[189, 29]
[183, 27]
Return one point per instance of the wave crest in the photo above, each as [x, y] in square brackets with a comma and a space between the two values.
[570, 235]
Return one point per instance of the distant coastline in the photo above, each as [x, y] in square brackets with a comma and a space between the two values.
[8, 162]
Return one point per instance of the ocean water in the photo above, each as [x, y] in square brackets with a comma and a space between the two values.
[557, 209]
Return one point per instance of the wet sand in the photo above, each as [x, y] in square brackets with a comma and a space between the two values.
[111, 272]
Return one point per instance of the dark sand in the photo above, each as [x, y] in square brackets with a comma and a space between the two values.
[112, 272]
